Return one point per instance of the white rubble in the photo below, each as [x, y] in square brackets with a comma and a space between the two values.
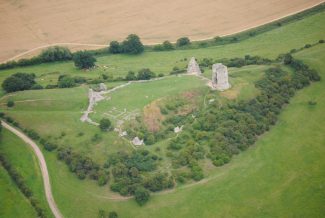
[137, 141]
[178, 129]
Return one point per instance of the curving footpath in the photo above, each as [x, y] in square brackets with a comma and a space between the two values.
[42, 163]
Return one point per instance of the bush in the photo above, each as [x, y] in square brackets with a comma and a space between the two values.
[141, 195]
[84, 60]
[114, 47]
[105, 124]
[183, 41]
[167, 45]
[307, 45]
[321, 41]
[130, 76]
[145, 74]
[18, 82]
[56, 53]
[65, 81]
[132, 45]
[112, 214]
[10, 103]
[36, 87]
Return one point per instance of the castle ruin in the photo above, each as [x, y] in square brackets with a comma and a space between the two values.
[193, 67]
[220, 77]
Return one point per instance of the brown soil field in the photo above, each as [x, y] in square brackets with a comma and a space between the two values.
[30, 24]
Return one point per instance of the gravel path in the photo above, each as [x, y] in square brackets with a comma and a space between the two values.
[42, 163]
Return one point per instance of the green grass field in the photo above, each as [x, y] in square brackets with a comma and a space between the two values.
[280, 176]
[25, 162]
[14, 203]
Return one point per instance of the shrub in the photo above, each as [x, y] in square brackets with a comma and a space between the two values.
[183, 41]
[36, 87]
[10, 103]
[105, 124]
[65, 81]
[18, 82]
[56, 53]
[167, 45]
[145, 74]
[112, 214]
[130, 76]
[84, 60]
[307, 46]
[141, 195]
[321, 41]
[114, 47]
[132, 45]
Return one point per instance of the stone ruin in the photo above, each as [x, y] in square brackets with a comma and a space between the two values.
[137, 141]
[193, 67]
[220, 77]
[102, 87]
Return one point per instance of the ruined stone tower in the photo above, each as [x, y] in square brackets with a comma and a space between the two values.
[220, 77]
[193, 67]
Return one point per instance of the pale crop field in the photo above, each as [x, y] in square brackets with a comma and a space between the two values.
[26, 25]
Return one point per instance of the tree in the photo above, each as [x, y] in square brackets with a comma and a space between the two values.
[112, 214]
[287, 59]
[84, 60]
[56, 53]
[10, 103]
[145, 74]
[141, 195]
[167, 45]
[132, 45]
[18, 82]
[183, 41]
[104, 124]
[114, 47]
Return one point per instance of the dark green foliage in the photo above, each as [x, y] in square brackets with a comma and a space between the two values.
[287, 59]
[141, 195]
[65, 81]
[130, 76]
[183, 41]
[56, 53]
[105, 124]
[167, 45]
[176, 70]
[36, 87]
[114, 47]
[132, 45]
[112, 214]
[18, 82]
[145, 74]
[321, 41]
[84, 60]
[10, 103]
[79, 164]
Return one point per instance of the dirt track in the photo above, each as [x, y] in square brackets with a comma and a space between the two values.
[42, 163]
[26, 25]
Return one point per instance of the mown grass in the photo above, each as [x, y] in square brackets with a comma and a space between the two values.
[25, 162]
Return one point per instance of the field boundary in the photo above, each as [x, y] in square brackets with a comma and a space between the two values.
[152, 44]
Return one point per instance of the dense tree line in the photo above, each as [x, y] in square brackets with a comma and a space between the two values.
[131, 45]
[133, 175]
[21, 184]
